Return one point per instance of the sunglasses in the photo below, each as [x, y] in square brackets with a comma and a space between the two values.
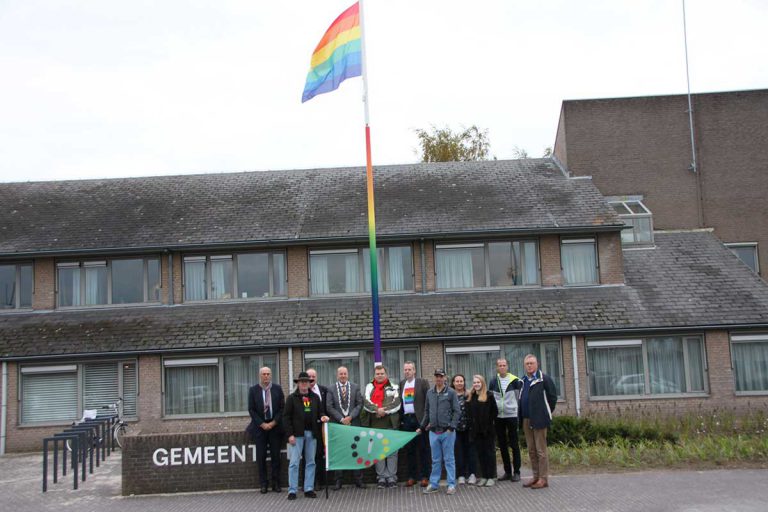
[311, 380]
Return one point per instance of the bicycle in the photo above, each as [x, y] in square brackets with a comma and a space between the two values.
[118, 428]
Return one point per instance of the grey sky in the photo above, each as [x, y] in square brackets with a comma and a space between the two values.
[102, 88]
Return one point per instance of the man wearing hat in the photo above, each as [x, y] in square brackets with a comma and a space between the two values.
[302, 419]
[441, 416]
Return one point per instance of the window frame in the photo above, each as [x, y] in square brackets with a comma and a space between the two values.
[17, 284]
[741, 245]
[188, 361]
[564, 241]
[382, 265]
[83, 264]
[78, 368]
[207, 258]
[366, 374]
[500, 347]
[625, 201]
[642, 342]
[485, 244]
[735, 339]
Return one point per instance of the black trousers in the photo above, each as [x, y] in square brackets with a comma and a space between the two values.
[464, 452]
[506, 434]
[486, 456]
[417, 450]
[268, 440]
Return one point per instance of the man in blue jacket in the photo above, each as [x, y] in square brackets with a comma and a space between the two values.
[537, 401]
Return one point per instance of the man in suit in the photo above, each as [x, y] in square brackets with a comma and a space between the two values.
[266, 402]
[322, 393]
[344, 404]
[414, 397]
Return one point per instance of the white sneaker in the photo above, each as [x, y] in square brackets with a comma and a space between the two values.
[472, 480]
[451, 490]
[490, 482]
[462, 480]
[481, 482]
[429, 489]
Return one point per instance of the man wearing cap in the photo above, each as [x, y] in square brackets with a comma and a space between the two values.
[302, 419]
[441, 416]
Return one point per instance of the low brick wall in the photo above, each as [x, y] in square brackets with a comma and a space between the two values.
[205, 461]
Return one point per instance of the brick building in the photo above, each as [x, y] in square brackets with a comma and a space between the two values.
[171, 292]
[641, 148]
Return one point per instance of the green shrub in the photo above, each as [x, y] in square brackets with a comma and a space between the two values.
[572, 431]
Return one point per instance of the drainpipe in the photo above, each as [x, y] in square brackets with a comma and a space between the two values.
[290, 367]
[4, 414]
[576, 376]
[423, 268]
[170, 278]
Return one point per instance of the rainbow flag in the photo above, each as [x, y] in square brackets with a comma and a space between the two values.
[338, 55]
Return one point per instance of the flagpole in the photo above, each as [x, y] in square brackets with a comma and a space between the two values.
[325, 448]
[371, 210]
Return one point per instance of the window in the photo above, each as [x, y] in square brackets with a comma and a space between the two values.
[635, 214]
[116, 281]
[349, 270]
[227, 276]
[359, 363]
[747, 253]
[15, 286]
[481, 360]
[647, 366]
[750, 363]
[60, 393]
[213, 385]
[578, 258]
[490, 264]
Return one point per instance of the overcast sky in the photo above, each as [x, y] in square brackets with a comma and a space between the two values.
[100, 88]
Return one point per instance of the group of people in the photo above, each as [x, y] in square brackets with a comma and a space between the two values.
[457, 427]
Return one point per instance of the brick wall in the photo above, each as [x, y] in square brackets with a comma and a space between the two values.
[298, 272]
[642, 146]
[610, 258]
[164, 268]
[178, 279]
[432, 357]
[551, 273]
[44, 273]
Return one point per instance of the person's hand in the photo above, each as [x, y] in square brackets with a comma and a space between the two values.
[264, 426]
[418, 431]
[347, 420]
[380, 412]
[324, 419]
[292, 440]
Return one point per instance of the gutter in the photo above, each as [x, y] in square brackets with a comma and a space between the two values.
[576, 387]
[4, 412]
[396, 341]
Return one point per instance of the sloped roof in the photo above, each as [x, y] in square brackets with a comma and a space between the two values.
[690, 280]
[179, 211]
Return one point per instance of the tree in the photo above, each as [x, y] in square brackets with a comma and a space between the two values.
[520, 153]
[443, 145]
[547, 152]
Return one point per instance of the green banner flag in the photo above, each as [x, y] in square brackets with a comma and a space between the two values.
[361, 447]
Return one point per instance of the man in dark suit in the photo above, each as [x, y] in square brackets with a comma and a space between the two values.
[322, 393]
[344, 405]
[266, 402]
[414, 396]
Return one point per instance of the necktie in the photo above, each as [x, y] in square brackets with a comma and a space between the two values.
[268, 402]
[344, 393]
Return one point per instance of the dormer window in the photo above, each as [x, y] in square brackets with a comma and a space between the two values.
[634, 213]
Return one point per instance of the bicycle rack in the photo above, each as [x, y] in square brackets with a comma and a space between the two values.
[86, 438]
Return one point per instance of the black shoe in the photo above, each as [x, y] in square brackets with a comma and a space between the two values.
[359, 484]
[337, 487]
[381, 485]
[276, 487]
[391, 485]
[504, 477]
[291, 495]
[516, 477]
[310, 494]
[264, 489]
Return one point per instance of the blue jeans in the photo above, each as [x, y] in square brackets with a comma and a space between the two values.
[306, 444]
[442, 451]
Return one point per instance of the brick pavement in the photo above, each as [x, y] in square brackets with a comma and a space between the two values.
[673, 491]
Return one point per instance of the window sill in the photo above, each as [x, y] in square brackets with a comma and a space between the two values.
[490, 288]
[236, 300]
[7, 311]
[108, 306]
[359, 294]
[46, 424]
[211, 415]
[666, 396]
[752, 393]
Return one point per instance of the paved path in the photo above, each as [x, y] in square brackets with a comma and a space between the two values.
[650, 491]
